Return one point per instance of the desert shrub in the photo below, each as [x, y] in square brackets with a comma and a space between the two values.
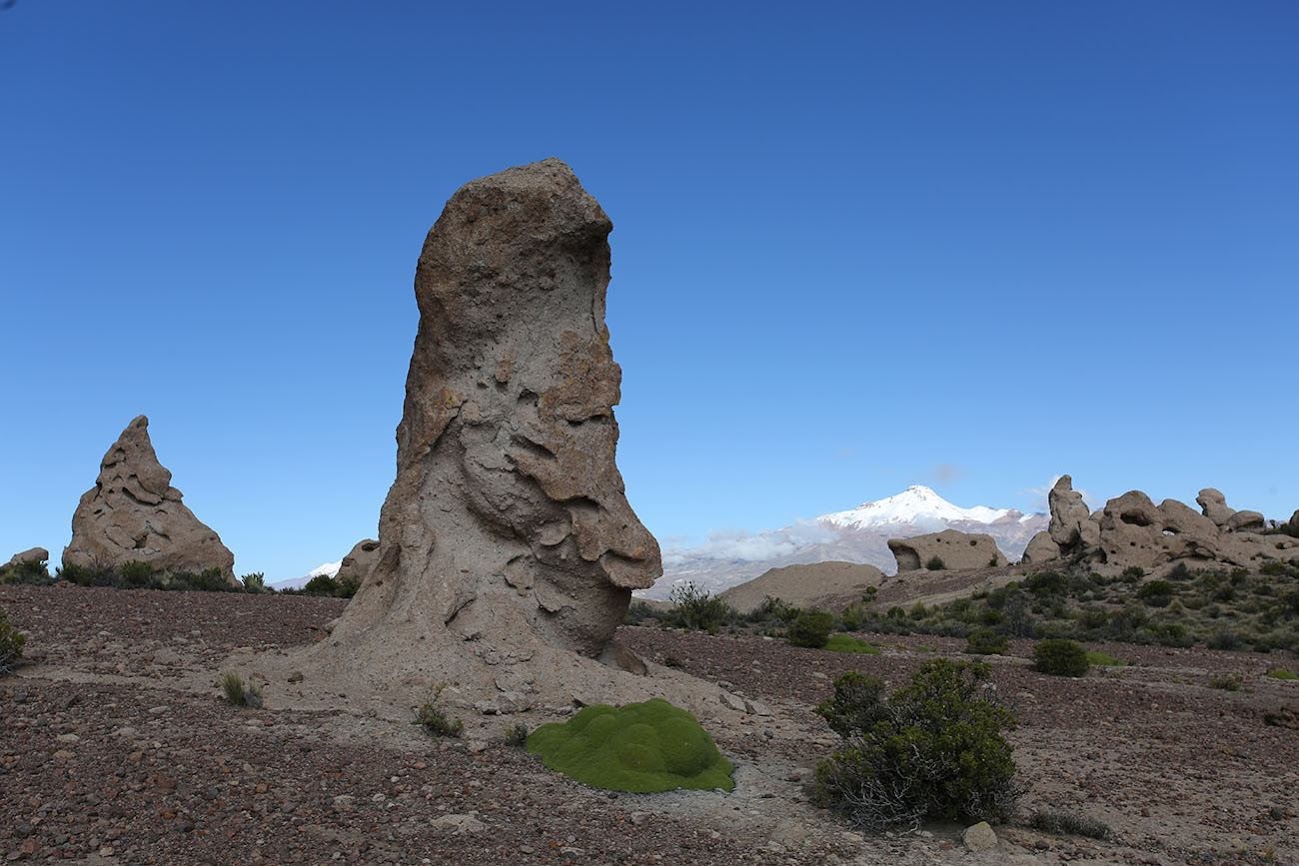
[638, 612]
[1104, 660]
[96, 574]
[435, 721]
[852, 618]
[29, 571]
[846, 643]
[1045, 583]
[1069, 824]
[347, 585]
[1179, 573]
[1061, 658]
[641, 748]
[810, 629]
[697, 610]
[986, 642]
[321, 584]
[896, 613]
[1225, 640]
[517, 736]
[1274, 568]
[918, 611]
[254, 582]
[1229, 682]
[773, 610]
[1092, 618]
[1133, 574]
[936, 563]
[933, 749]
[240, 693]
[207, 580]
[1171, 634]
[136, 575]
[11, 644]
[1156, 593]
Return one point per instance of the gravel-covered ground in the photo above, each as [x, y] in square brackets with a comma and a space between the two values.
[115, 748]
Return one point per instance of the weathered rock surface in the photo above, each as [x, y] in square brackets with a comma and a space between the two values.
[821, 584]
[507, 548]
[1247, 521]
[1213, 505]
[957, 550]
[1041, 548]
[1072, 527]
[133, 514]
[33, 554]
[358, 563]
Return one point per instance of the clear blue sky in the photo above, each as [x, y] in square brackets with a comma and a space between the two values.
[857, 246]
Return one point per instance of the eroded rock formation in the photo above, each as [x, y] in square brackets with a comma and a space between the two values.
[1131, 531]
[358, 562]
[133, 514]
[956, 550]
[507, 548]
[33, 554]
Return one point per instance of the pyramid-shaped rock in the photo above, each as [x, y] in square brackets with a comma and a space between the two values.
[133, 514]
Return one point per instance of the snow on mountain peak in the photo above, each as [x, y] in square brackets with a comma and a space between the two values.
[917, 505]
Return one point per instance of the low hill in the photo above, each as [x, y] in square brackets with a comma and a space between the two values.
[812, 585]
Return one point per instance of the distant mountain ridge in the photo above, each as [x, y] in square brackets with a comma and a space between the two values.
[858, 535]
[328, 568]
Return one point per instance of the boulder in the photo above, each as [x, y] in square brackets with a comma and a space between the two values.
[980, 837]
[1294, 521]
[1214, 506]
[1041, 548]
[958, 551]
[827, 585]
[1246, 521]
[359, 561]
[1071, 527]
[33, 554]
[133, 514]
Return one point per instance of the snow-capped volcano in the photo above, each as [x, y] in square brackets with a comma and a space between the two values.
[328, 568]
[918, 505]
[859, 534]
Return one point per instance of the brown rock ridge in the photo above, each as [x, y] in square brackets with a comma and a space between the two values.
[507, 548]
[133, 514]
[33, 554]
[821, 584]
[1131, 531]
[958, 551]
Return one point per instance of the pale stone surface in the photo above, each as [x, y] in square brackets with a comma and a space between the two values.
[1071, 525]
[133, 514]
[1041, 548]
[1214, 506]
[980, 837]
[32, 554]
[359, 562]
[821, 584]
[958, 551]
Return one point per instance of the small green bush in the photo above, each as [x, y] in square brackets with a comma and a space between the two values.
[1061, 658]
[517, 736]
[933, 749]
[641, 748]
[846, 643]
[936, 563]
[321, 584]
[1229, 682]
[435, 721]
[1282, 674]
[239, 693]
[11, 644]
[638, 612]
[985, 642]
[254, 582]
[697, 610]
[29, 571]
[1156, 593]
[1069, 824]
[810, 629]
[1104, 660]
[1225, 640]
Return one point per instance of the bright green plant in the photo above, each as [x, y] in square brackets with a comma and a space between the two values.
[1104, 660]
[1282, 674]
[1061, 658]
[811, 628]
[254, 582]
[933, 749]
[642, 748]
[846, 643]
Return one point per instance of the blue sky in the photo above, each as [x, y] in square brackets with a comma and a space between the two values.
[857, 246]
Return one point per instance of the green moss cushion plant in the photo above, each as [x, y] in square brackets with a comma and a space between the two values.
[846, 643]
[642, 748]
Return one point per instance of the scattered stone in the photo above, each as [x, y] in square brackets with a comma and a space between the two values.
[980, 837]
[133, 514]
[459, 824]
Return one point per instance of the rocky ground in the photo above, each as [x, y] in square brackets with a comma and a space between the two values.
[115, 748]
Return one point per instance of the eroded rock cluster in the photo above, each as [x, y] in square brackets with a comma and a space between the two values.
[1132, 531]
[133, 514]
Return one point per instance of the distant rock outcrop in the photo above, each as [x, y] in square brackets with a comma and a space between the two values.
[821, 584]
[956, 551]
[133, 514]
[359, 561]
[1132, 532]
[33, 554]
